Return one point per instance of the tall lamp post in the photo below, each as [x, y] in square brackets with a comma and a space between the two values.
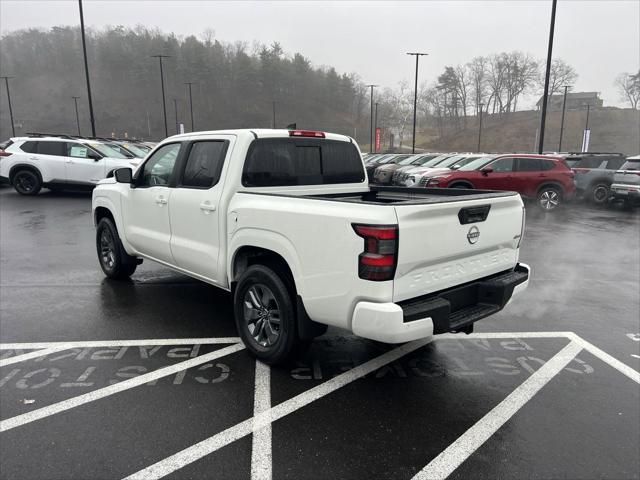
[13, 128]
[190, 103]
[86, 71]
[164, 102]
[415, 98]
[481, 105]
[75, 101]
[564, 105]
[175, 109]
[371, 122]
[375, 126]
[543, 114]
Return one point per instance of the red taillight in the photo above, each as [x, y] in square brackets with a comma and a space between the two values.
[379, 259]
[5, 154]
[306, 133]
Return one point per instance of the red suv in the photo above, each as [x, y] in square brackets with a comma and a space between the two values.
[547, 179]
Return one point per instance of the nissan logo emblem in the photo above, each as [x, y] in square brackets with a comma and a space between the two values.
[473, 235]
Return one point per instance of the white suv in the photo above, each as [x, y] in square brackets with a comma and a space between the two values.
[57, 163]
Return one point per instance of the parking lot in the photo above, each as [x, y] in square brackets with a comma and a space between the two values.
[147, 378]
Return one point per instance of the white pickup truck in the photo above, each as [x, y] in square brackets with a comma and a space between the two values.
[286, 221]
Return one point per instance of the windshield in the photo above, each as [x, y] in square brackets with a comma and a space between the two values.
[389, 159]
[451, 161]
[136, 150]
[464, 161]
[435, 161]
[476, 164]
[409, 160]
[108, 151]
[424, 159]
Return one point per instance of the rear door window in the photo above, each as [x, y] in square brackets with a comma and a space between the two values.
[204, 164]
[275, 162]
[529, 165]
[631, 165]
[52, 148]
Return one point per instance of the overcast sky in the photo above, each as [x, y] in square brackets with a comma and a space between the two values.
[599, 38]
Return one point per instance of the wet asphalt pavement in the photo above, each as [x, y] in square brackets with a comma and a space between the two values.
[391, 423]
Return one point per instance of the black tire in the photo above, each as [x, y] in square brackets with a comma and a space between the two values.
[265, 314]
[26, 182]
[115, 262]
[549, 198]
[459, 185]
[599, 193]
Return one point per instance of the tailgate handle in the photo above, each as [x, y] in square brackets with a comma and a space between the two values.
[473, 214]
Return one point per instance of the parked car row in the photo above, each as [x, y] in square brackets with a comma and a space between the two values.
[549, 179]
[64, 162]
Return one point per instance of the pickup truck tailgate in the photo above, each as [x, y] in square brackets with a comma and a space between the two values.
[447, 244]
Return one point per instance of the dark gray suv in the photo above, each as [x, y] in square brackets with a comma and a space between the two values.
[594, 174]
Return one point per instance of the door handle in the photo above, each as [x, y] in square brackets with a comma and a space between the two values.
[207, 207]
[33, 158]
[69, 161]
[160, 200]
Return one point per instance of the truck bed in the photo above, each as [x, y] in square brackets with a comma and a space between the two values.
[414, 196]
[402, 195]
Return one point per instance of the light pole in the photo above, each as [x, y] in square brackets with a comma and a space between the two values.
[415, 99]
[86, 71]
[480, 127]
[164, 102]
[371, 122]
[543, 114]
[175, 108]
[13, 128]
[564, 104]
[75, 101]
[586, 125]
[190, 103]
[375, 127]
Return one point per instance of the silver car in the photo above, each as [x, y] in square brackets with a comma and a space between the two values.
[626, 182]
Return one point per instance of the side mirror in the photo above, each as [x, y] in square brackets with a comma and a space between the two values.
[93, 155]
[486, 170]
[123, 175]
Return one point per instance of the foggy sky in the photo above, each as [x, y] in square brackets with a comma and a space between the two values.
[599, 39]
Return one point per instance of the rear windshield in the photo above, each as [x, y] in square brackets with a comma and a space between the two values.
[274, 162]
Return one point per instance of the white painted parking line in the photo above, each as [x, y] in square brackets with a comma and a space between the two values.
[28, 356]
[489, 335]
[119, 343]
[452, 457]
[211, 444]
[261, 463]
[605, 357]
[34, 415]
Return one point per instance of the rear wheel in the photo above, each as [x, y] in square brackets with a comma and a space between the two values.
[265, 314]
[599, 193]
[27, 182]
[549, 198]
[115, 262]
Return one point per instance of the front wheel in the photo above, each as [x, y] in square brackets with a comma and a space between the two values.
[265, 314]
[549, 198]
[115, 262]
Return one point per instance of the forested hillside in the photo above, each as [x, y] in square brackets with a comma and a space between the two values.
[233, 85]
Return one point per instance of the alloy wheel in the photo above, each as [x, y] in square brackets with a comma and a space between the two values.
[549, 199]
[107, 249]
[262, 315]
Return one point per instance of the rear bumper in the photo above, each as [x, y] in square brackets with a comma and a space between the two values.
[440, 312]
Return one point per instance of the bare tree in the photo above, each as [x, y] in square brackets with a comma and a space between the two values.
[629, 88]
[560, 74]
[479, 83]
